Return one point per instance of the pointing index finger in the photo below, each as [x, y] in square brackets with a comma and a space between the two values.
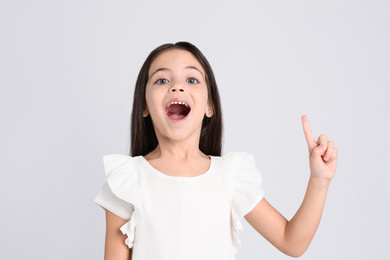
[311, 142]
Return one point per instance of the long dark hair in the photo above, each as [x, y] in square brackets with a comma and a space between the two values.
[143, 137]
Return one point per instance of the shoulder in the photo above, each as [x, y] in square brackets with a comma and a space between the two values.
[114, 161]
[120, 166]
[242, 168]
[121, 182]
[234, 160]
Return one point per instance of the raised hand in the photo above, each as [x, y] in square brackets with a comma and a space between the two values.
[322, 154]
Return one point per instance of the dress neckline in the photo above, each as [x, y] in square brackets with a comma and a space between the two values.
[197, 177]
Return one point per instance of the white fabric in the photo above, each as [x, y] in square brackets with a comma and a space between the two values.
[181, 217]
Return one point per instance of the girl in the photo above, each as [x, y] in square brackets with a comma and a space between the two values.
[176, 197]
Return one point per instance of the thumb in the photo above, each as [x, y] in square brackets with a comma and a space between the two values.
[319, 150]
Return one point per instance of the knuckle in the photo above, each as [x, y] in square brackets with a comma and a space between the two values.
[318, 150]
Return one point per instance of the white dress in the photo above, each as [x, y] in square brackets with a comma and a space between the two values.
[180, 218]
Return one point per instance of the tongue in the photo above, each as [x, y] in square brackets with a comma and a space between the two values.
[176, 112]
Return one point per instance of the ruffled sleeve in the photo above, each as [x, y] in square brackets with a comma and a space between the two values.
[247, 190]
[120, 193]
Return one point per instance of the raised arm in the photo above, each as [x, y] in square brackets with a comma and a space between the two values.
[115, 248]
[293, 237]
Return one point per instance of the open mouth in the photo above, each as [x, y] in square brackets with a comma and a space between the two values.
[177, 110]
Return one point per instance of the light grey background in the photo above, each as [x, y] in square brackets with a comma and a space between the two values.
[67, 74]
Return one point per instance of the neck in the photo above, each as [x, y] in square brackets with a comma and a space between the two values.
[176, 150]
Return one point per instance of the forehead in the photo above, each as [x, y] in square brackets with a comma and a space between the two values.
[175, 59]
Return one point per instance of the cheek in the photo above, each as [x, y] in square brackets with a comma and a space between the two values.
[152, 98]
[148, 97]
[206, 98]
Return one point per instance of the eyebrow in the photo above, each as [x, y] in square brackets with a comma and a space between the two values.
[195, 68]
[160, 69]
[188, 67]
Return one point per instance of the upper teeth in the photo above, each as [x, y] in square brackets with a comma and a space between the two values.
[177, 103]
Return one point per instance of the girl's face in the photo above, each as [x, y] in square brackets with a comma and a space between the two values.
[176, 96]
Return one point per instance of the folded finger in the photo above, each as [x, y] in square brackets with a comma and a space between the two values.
[334, 155]
[323, 141]
[329, 151]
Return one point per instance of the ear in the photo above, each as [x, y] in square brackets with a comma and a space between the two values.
[145, 113]
[209, 109]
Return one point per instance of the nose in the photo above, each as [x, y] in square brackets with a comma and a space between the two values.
[176, 87]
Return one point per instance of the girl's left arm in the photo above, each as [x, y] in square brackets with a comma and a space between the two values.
[293, 237]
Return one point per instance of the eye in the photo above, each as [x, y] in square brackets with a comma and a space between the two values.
[192, 81]
[162, 81]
